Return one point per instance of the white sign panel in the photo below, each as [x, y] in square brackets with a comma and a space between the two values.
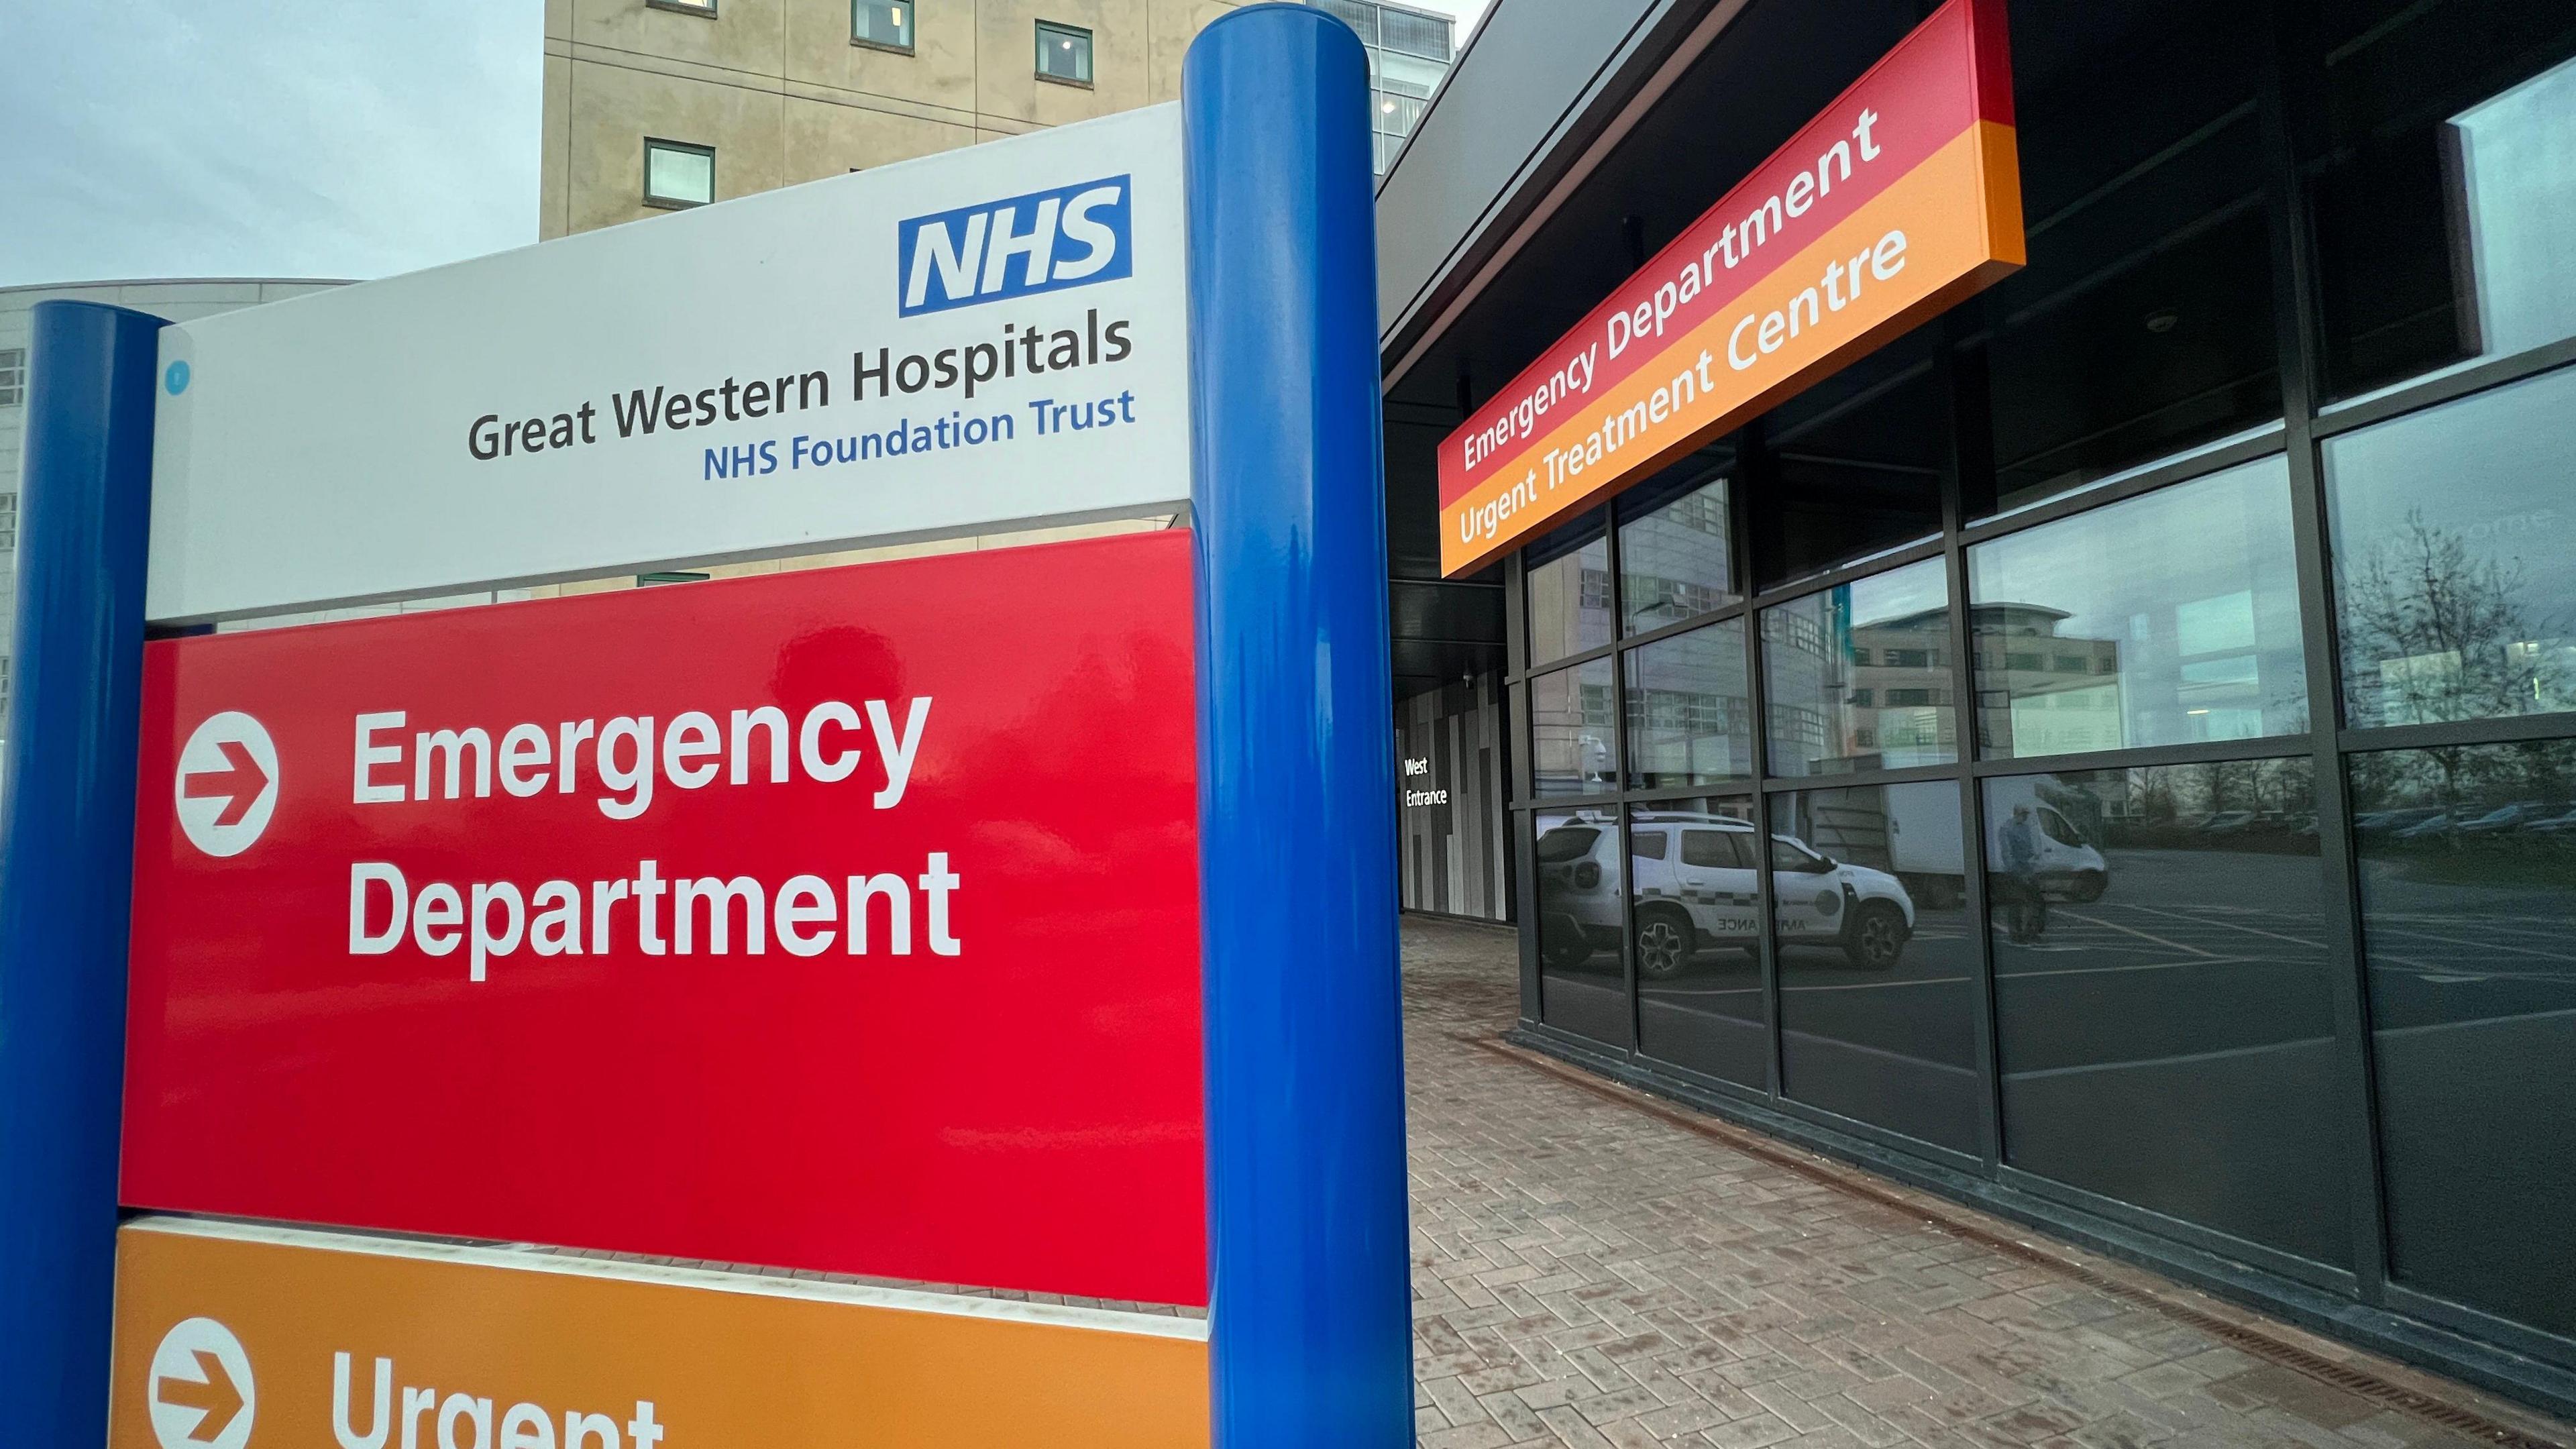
[989, 336]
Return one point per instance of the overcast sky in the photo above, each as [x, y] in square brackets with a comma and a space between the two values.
[350, 138]
[258, 138]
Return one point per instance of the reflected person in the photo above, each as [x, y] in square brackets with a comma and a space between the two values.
[2026, 905]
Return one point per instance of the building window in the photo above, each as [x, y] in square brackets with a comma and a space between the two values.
[880, 25]
[2143, 324]
[1574, 731]
[8, 523]
[703, 9]
[2455, 572]
[2436, 175]
[1815, 654]
[1582, 981]
[2468, 898]
[1569, 591]
[1697, 938]
[2164, 1005]
[1867, 887]
[13, 376]
[1408, 53]
[1690, 720]
[677, 174]
[1064, 54]
[2169, 619]
[1676, 557]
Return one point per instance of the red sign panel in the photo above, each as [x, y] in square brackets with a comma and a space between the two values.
[842, 920]
[1897, 200]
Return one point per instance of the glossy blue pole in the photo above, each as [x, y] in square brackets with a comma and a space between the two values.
[67, 859]
[1310, 1303]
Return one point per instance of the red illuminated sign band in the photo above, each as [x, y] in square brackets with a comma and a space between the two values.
[775, 920]
[1901, 197]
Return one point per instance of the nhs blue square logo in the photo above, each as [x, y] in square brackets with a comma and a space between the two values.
[1045, 241]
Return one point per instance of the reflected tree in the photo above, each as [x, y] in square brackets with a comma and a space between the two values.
[2447, 630]
[2451, 639]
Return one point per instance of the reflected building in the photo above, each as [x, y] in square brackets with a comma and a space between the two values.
[2060, 695]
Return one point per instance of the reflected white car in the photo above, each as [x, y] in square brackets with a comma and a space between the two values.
[1578, 889]
[1694, 876]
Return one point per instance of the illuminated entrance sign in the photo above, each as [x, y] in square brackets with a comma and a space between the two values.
[1898, 200]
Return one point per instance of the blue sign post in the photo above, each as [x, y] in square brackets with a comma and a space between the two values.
[1310, 1307]
[67, 858]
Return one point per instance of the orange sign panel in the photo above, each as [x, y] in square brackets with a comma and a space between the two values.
[1901, 198]
[241, 1338]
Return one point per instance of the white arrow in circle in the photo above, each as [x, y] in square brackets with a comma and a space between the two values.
[227, 785]
[201, 1395]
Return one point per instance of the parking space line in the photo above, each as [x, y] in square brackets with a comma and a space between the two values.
[2230, 926]
[2134, 931]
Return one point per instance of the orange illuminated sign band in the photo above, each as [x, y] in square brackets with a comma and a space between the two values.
[235, 1337]
[1901, 198]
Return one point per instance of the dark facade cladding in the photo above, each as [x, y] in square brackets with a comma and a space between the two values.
[2110, 753]
[1452, 745]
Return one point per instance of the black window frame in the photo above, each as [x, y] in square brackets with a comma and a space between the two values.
[1057, 29]
[677, 203]
[910, 47]
[1967, 482]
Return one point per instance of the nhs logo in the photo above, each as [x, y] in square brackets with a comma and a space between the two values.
[1041, 242]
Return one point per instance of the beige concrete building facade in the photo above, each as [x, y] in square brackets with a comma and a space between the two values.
[783, 91]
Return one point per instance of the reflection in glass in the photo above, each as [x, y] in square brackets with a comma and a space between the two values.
[1674, 558]
[2143, 325]
[1690, 721]
[2440, 184]
[1574, 732]
[1854, 464]
[1575, 865]
[2163, 1001]
[1569, 591]
[2455, 558]
[2168, 619]
[2468, 893]
[1877, 958]
[1699, 955]
[1858, 677]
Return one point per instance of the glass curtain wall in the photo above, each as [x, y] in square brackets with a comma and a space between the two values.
[1409, 51]
[2119, 740]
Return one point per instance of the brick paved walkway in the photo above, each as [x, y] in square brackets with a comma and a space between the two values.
[1595, 1268]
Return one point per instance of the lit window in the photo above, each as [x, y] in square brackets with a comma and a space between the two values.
[677, 174]
[1064, 54]
[13, 378]
[883, 25]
